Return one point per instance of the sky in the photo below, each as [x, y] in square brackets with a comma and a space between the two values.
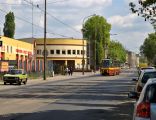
[65, 19]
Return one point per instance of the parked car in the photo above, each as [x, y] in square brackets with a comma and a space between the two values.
[145, 68]
[15, 76]
[145, 107]
[143, 78]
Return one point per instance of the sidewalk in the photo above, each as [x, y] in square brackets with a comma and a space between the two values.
[61, 77]
[49, 79]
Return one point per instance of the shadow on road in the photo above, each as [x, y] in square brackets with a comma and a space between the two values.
[88, 114]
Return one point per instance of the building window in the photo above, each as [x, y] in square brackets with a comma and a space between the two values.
[51, 51]
[82, 52]
[39, 52]
[69, 52]
[63, 52]
[78, 52]
[74, 52]
[7, 48]
[57, 51]
[11, 49]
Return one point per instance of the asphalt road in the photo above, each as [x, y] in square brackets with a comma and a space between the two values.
[84, 98]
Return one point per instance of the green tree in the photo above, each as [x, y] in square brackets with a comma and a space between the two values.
[149, 47]
[145, 9]
[97, 31]
[117, 51]
[9, 25]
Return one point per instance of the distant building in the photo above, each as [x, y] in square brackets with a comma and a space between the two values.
[61, 51]
[17, 53]
[132, 59]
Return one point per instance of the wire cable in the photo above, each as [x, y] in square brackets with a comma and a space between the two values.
[22, 19]
[55, 18]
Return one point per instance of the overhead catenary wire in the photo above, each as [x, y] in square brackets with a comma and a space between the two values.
[38, 4]
[55, 18]
[13, 4]
[57, 1]
[22, 19]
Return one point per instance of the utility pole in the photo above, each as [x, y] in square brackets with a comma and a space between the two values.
[32, 19]
[45, 25]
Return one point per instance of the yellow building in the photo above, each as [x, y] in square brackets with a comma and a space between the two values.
[17, 53]
[61, 51]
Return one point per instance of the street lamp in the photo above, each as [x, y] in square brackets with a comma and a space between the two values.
[83, 30]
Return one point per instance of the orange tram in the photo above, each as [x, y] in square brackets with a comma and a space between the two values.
[110, 67]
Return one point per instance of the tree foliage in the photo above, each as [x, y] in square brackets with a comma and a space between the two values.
[145, 9]
[97, 31]
[149, 47]
[117, 51]
[9, 25]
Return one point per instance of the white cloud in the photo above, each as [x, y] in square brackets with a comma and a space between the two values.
[78, 27]
[87, 3]
[41, 21]
[131, 40]
[123, 21]
[13, 1]
[128, 1]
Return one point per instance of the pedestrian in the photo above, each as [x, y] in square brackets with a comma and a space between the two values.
[71, 71]
[66, 71]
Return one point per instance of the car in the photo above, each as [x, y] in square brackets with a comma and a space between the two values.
[145, 68]
[15, 76]
[143, 78]
[145, 106]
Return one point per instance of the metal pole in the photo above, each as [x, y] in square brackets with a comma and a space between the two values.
[83, 61]
[44, 76]
[32, 19]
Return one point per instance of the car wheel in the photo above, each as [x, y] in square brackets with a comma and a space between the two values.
[4, 83]
[25, 82]
[19, 82]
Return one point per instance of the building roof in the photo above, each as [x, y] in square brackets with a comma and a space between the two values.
[28, 40]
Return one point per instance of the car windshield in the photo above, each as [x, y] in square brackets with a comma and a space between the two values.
[148, 75]
[15, 72]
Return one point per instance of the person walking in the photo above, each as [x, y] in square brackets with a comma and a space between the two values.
[71, 71]
[66, 71]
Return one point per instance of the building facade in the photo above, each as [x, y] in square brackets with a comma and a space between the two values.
[17, 53]
[61, 51]
[132, 59]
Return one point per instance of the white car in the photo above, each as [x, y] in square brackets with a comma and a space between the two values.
[145, 107]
